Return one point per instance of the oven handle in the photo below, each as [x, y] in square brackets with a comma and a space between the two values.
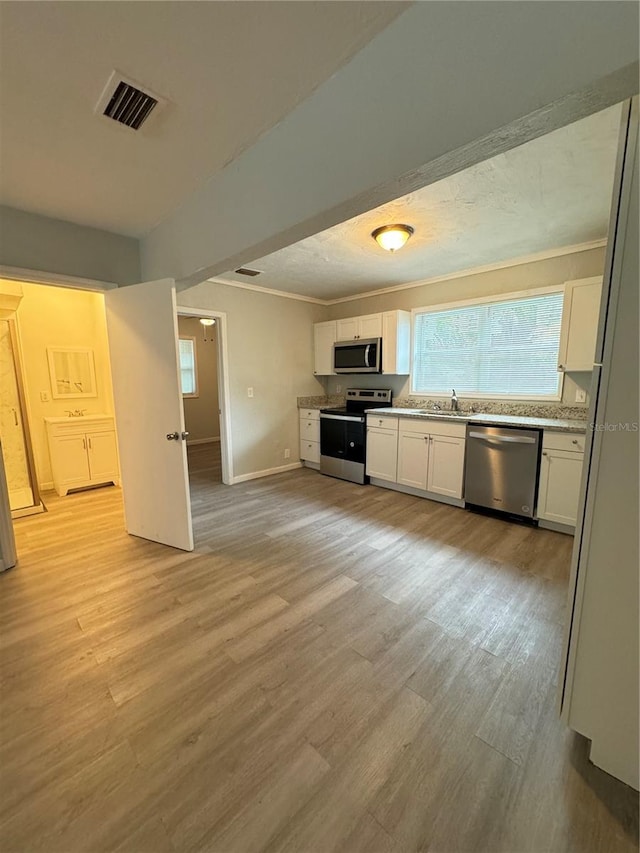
[511, 439]
[342, 418]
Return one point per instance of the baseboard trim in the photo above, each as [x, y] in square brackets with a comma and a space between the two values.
[557, 527]
[256, 475]
[203, 440]
[46, 487]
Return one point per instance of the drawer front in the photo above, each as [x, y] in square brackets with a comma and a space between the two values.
[423, 426]
[310, 451]
[309, 414]
[309, 430]
[571, 441]
[382, 422]
[80, 426]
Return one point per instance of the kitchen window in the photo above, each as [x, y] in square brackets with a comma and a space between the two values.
[188, 367]
[505, 346]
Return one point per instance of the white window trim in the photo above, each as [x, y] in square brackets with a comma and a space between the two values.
[196, 392]
[483, 300]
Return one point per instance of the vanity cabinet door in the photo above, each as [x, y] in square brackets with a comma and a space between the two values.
[70, 462]
[103, 455]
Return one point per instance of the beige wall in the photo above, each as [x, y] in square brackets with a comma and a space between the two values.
[270, 348]
[201, 416]
[50, 316]
[511, 279]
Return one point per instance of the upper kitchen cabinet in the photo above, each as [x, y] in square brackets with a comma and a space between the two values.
[580, 314]
[356, 328]
[324, 337]
[396, 342]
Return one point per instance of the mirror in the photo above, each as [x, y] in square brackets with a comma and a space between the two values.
[72, 372]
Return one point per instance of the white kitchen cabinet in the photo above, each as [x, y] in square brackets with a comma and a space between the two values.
[396, 342]
[431, 457]
[580, 312]
[560, 477]
[324, 337]
[446, 465]
[382, 447]
[413, 459]
[83, 452]
[355, 328]
[310, 436]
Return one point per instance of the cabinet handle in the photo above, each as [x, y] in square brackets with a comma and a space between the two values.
[574, 441]
[544, 452]
[89, 440]
[561, 367]
[84, 443]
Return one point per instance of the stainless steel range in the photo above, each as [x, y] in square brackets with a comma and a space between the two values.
[343, 434]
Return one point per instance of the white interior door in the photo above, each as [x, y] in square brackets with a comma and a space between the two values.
[143, 342]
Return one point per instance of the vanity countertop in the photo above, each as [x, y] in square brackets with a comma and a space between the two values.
[74, 419]
[556, 424]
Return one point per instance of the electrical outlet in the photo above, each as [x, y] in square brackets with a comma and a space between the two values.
[338, 389]
[44, 397]
[249, 392]
[581, 395]
[287, 453]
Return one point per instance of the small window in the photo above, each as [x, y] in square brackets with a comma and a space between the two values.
[506, 347]
[188, 367]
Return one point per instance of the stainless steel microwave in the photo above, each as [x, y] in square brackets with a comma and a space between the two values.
[360, 356]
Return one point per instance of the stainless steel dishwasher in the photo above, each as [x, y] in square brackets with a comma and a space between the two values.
[501, 470]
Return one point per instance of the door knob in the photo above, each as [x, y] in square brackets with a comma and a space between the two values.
[185, 435]
[173, 436]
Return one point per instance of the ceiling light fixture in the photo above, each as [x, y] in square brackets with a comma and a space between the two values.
[207, 322]
[392, 237]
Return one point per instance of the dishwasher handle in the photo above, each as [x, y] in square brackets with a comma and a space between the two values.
[510, 439]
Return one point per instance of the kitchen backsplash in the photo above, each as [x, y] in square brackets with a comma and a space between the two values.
[492, 407]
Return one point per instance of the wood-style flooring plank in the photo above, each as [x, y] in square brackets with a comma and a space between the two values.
[334, 668]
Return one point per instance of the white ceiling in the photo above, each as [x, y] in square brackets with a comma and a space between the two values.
[230, 70]
[550, 193]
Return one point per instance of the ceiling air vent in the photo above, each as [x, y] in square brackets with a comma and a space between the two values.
[247, 271]
[127, 102]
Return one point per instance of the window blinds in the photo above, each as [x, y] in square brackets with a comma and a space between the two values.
[187, 366]
[495, 348]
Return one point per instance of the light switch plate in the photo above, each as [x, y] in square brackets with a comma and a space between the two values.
[581, 395]
[249, 392]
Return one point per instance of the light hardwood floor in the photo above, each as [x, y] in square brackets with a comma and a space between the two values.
[334, 668]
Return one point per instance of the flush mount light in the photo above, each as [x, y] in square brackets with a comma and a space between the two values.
[207, 321]
[392, 237]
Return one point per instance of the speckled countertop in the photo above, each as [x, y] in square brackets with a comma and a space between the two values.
[559, 424]
[536, 415]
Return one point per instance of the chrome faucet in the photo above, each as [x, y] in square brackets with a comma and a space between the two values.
[454, 401]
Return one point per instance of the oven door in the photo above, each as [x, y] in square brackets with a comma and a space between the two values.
[363, 356]
[342, 447]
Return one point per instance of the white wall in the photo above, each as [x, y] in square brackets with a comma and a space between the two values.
[270, 349]
[34, 242]
[444, 86]
[201, 416]
[525, 276]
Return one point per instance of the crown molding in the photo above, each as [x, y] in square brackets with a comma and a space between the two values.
[284, 294]
[38, 277]
[512, 262]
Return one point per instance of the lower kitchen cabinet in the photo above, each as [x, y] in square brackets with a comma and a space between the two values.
[431, 457]
[310, 436]
[83, 452]
[560, 477]
[382, 453]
